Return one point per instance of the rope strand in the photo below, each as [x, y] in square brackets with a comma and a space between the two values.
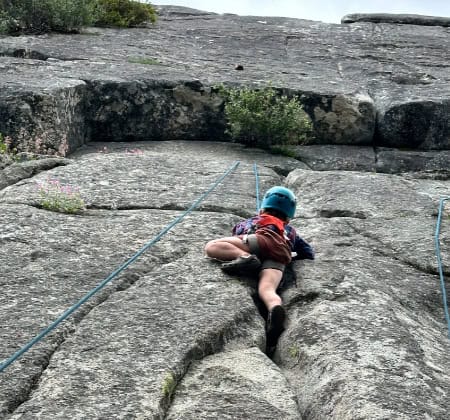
[255, 169]
[108, 279]
[439, 261]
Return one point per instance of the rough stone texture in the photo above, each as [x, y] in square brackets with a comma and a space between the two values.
[370, 310]
[363, 83]
[174, 337]
[13, 172]
[344, 158]
[407, 19]
[233, 385]
[395, 161]
[48, 121]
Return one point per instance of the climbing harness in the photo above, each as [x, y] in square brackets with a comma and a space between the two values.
[439, 261]
[108, 279]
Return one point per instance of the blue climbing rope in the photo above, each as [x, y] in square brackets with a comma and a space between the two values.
[439, 261]
[255, 169]
[150, 243]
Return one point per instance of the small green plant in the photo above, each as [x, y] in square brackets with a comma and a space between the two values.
[61, 198]
[283, 151]
[144, 60]
[293, 351]
[122, 13]
[169, 385]
[3, 146]
[6, 149]
[264, 118]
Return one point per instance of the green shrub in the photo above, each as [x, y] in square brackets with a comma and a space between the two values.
[68, 16]
[122, 13]
[35, 17]
[264, 118]
[5, 21]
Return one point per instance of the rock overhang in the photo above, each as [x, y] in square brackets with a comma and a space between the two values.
[363, 67]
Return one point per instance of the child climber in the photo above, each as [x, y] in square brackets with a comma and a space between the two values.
[265, 244]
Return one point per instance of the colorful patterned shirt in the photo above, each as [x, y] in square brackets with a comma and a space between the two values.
[297, 244]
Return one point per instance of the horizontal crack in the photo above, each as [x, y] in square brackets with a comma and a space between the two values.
[172, 207]
[342, 213]
[392, 255]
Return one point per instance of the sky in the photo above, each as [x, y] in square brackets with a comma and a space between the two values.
[330, 11]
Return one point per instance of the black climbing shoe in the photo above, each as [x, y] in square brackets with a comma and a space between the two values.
[245, 265]
[274, 327]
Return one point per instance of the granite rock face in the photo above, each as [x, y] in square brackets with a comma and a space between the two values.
[363, 83]
[173, 337]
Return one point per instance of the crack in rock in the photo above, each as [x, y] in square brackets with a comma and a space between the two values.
[17, 172]
[220, 365]
[392, 254]
[25, 53]
[331, 213]
[58, 336]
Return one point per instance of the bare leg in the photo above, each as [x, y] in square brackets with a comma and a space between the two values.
[226, 249]
[268, 282]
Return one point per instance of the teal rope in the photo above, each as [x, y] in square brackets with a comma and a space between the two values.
[255, 169]
[439, 261]
[73, 308]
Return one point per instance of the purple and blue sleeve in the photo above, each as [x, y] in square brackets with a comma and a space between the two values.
[303, 249]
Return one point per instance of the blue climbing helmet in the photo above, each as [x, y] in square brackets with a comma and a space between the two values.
[281, 199]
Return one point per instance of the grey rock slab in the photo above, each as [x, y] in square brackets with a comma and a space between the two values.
[395, 215]
[126, 357]
[366, 336]
[199, 149]
[346, 241]
[16, 171]
[131, 178]
[242, 383]
[364, 195]
[51, 260]
[332, 157]
[396, 161]
[413, 121]
[411, 240]
[375, 275]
